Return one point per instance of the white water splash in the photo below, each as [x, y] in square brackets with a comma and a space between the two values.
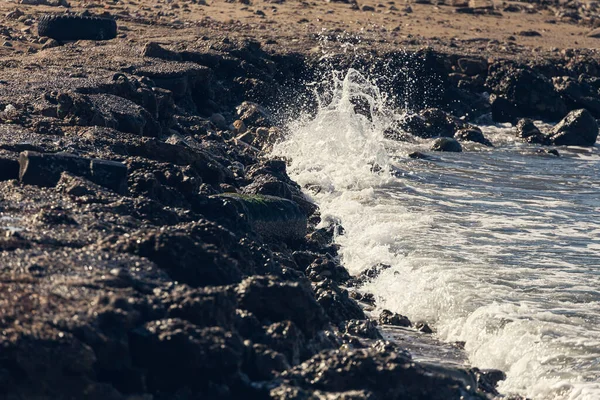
[498, 249]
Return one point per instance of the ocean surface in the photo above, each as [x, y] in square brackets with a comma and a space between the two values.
[499, 248]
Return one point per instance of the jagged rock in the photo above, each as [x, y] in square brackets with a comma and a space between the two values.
[252, 114]
[273, 300]
[578, 128]
[46, 169]
[336, 302]
[530, 92]
[177, 354]
[487, 379]
[386, 373]
[527, 130]
[184, 254]
[390, 318]
[362, 328]
[203, 307]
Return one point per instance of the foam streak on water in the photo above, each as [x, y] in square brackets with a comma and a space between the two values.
[500, 249]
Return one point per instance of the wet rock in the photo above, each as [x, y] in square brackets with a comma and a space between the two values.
[370, 274]
[272, 300]
[286, 338]
[530, 92]
[45, 170]
[204, 164]
[336, 302]
[274, 218]
[423, 327]
[472, 134]
[263, 363]
[579, 93]
[177, 354]
[326, 268]
[487, 379]
[362, 328]
[417, 155]
[269, 185]
[503, 110]
[182, 253]
[527, 130]
[390, 318]
[446, 144]
[252, 114]
[578, 128]
[387, 374]
[203, 307]
[439, 123]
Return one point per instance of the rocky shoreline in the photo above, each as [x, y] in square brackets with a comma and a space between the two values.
[151, 248]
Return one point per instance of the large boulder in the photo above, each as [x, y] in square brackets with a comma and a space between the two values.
[274, 218]
[578, 128]
[528, 92]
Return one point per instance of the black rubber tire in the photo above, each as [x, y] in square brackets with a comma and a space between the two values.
[76, 27]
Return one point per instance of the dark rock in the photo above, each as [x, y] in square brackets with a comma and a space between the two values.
[153, 49]
[446, 144]
[177, 354]
[263, 363]
[46, 169]
[327, 268]
[203, 307]
[390, 318]
[386, 373]
[417, 155]
[503, 110]
[529, 33]
[183, 253]
[472, 134]
[578, 128]
[269, 185]
[487, 379]
[369, 274]
[253, 115]
[527, 130]
[440, 123]
[362, 328]
[9, 168]
[274, 218]
[286, 338]
[472, 66]
[423, 327]
[530, 92]
[336, 302]
[271, 300]
[579, 93]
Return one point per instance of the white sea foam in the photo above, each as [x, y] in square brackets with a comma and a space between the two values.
[498, 249]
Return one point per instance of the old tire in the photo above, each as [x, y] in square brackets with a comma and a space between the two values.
[76, 27]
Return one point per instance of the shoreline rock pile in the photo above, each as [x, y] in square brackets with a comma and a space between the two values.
[150, 250]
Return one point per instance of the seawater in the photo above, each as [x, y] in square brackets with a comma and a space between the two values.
[499, 248]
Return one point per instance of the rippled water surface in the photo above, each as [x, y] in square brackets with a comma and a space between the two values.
[499, 248]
